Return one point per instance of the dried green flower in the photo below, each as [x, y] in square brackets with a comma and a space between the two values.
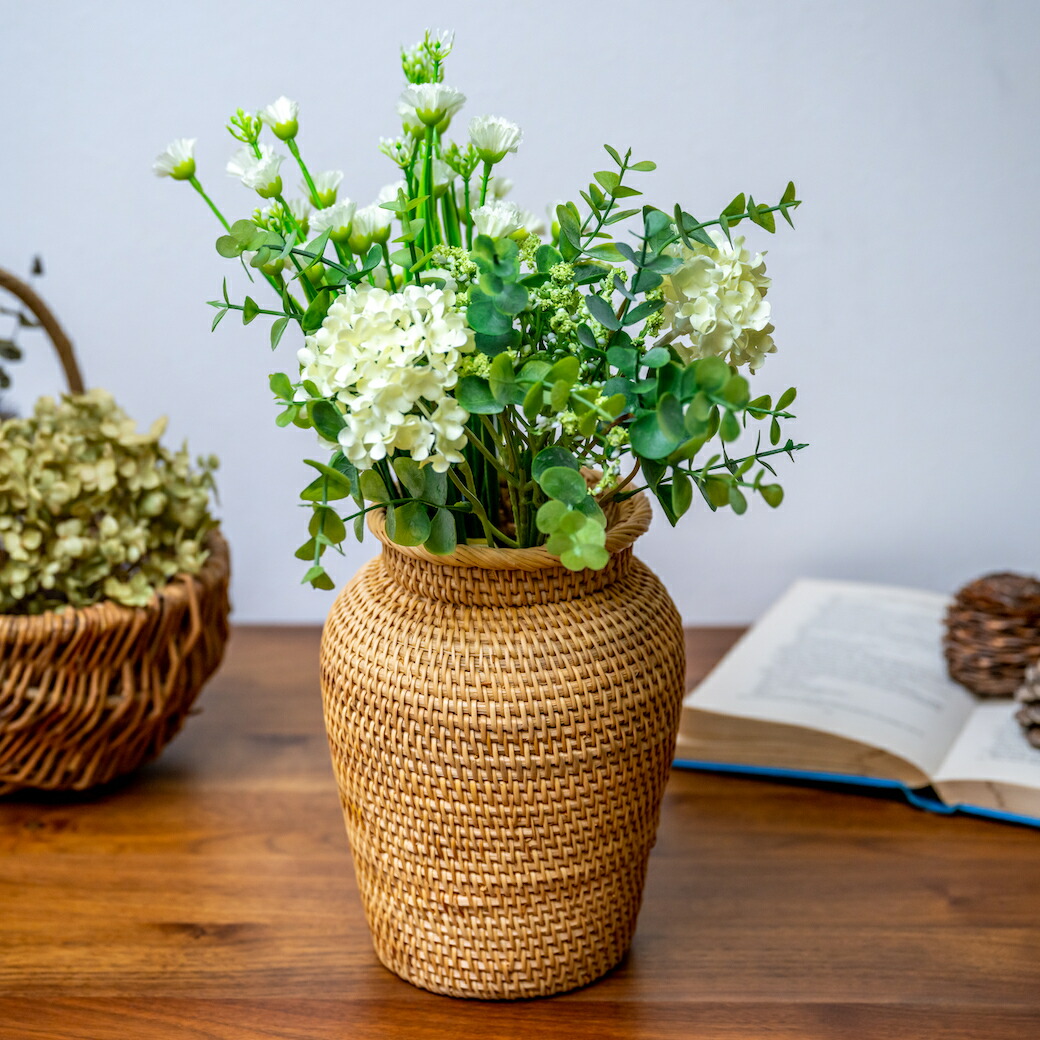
[90, 509]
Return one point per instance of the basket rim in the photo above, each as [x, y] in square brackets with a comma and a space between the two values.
[633, 519]
[179, 589]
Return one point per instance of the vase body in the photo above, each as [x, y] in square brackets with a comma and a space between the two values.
[501, 731]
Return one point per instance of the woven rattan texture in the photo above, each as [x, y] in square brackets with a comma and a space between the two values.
[90, 694]
[501, 752]
[993, 633]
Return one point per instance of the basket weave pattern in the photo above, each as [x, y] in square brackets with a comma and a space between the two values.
[89, 694]
[501, 731]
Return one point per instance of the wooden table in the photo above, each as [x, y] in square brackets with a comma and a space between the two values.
[212, 898]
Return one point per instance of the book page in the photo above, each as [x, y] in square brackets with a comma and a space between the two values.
[992, 747]
[858, 661]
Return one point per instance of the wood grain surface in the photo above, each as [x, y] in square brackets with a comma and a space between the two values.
[212, 896]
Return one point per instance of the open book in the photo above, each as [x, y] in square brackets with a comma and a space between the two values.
[846, 682]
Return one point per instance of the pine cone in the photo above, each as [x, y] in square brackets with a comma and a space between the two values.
[1028, 695]
[993, 633]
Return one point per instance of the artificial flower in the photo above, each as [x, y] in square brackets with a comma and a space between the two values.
[371, 224]
[339, 217]
[433, 102]
[261, 173]
[282, 117]
[498, 219]
[716, 304]
[493, 137]
[326, 184]
[389, 360]
[178, 160]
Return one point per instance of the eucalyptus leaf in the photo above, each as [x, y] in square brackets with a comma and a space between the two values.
[564, 484]
[553, 456]
[602, 312]
[442, 539]
[326, 418]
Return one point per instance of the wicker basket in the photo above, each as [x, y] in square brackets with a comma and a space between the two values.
[89, 694]
[501, 731]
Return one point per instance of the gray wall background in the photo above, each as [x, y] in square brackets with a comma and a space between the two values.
[906, 303]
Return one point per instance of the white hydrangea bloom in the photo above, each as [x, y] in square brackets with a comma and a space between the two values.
[498, 219]
[716, 304]
[389, 360]
[493, 137]
[178, 160]
[432, 102]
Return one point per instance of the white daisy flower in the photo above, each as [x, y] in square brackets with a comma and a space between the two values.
[339, 216]
[326, 184]
[178, 160]
[433, 102]
[282, 116]
[498, 219]
[371, 224]
[493, 137]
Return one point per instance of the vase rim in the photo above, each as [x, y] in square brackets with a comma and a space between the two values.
[632, 519]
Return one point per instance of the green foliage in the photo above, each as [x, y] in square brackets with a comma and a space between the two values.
[576, 362]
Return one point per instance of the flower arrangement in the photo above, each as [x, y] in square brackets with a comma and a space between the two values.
[90, 509]
[485, 377]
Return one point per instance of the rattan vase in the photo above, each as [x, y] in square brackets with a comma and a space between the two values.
[92, 693]
[501, 731]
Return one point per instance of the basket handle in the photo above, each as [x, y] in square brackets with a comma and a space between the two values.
[43, 314]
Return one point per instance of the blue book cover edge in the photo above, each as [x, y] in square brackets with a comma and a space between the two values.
[917, 798]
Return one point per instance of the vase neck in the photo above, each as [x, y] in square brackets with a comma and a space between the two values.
[499, 587]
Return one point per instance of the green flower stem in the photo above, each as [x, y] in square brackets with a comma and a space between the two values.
[341, 254]
[451, 218]
[469, 215]
[479, 444]
[491, 533]
[426, 188]
[288, 214]
[386, 264]
[306, 173]
[484, 184]
[409, 173]
[518, 499]
[194, 182]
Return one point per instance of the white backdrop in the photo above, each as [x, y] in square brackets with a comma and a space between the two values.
[904, 303]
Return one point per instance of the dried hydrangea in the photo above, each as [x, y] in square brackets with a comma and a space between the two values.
[90, 509]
